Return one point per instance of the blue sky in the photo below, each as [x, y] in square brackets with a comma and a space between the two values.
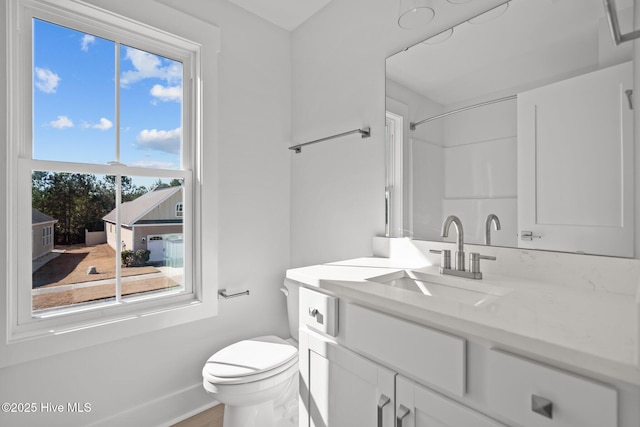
[74, 101]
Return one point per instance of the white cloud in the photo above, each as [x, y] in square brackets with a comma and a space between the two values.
[160, 140]
[46, 80]
[152, 164]
[167, 93]
[147, 65]
[87, 39]
[62, 122]
[104, 124]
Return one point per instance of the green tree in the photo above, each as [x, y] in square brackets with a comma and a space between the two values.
[129, 190]
[78, 201]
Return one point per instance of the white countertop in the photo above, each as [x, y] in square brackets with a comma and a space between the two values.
[593, 330]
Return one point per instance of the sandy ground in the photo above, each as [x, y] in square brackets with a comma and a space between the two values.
[71, 268]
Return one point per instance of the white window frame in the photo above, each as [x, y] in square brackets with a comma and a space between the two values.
[179, 210]
[47, 235]
[135, 315]
[394, 174]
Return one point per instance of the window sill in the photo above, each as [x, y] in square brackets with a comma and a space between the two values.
[22, 346]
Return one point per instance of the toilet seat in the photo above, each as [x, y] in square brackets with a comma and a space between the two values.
[250, 360]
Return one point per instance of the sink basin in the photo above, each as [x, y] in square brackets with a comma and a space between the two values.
[469, 292]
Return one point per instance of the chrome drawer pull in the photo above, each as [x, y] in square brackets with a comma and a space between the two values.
[382, 402]
[542, 406]
[403, 411]
[315, 313]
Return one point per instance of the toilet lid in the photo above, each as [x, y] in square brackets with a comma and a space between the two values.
[250, 357]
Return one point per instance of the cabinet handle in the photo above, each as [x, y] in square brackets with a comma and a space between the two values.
[382, 402]
[403, 411]
[542, 406]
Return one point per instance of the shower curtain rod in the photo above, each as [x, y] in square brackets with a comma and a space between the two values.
[366, 133]
[413, 125]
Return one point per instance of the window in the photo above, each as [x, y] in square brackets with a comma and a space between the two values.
[104, 127]
[47, 235]
[179, 209]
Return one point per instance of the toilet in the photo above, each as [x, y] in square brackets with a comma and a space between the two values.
[257, 378]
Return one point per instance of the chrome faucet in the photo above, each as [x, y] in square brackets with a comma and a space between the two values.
[492, 218]
[474, 257]
[446, 225]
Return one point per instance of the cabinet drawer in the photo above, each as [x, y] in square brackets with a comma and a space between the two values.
[424, 354]
[516, 385]
[319, 311]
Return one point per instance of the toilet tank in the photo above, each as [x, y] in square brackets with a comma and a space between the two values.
[292, 289]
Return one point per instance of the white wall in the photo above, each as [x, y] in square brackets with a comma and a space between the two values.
[337, 187]
[480, 171]
[157, 376]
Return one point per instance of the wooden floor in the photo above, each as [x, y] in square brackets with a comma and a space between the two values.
[209, 418]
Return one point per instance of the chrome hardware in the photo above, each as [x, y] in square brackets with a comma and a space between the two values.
[492, 218]
[528, 235]
[446, 225]
[413, 125]
[403, 411]
[474, 257]
[445, 258]
[612, 16]
[474, 263]
[542, 406]
[629, 93]
[364, 133]
[315, 313]
[223, 293]
[382, 402]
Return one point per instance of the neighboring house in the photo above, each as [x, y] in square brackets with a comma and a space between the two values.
[153, 221]
[41, 233]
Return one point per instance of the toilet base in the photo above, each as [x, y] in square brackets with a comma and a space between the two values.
[281, 412]
[249, 416]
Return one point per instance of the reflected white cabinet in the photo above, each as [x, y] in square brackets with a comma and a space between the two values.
[566, 204]
[417, 406]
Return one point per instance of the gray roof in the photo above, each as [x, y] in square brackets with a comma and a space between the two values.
[38, 217]
[134, 210]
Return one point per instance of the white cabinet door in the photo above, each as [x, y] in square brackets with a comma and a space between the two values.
[417, 406]
[575, 164]
[347, 390]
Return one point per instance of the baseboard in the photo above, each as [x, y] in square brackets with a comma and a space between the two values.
[164, 411]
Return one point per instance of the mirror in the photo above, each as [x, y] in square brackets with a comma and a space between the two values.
[524, 112]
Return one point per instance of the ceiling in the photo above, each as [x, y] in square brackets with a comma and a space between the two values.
[286, 14]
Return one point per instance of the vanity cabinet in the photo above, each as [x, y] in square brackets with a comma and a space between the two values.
[345, 389]
[418, 406]
[381, 370]
[348, 390]
[535, 395]
[361, 377]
